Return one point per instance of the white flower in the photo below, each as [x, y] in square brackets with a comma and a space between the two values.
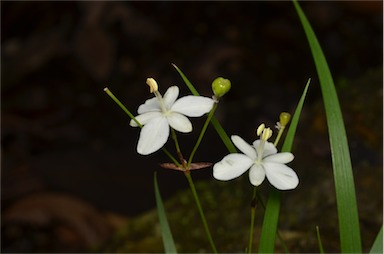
[158, 113]
[262, 159]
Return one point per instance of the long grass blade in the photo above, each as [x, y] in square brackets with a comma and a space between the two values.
[272, 210]
[168, 242]
[319, 242]
[350, 239]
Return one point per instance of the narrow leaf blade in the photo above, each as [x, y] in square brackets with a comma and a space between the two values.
[168, 242]
[350, 239]
[272, 210]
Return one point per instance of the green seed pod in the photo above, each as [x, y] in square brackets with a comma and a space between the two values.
[221, 86]
[284, 118]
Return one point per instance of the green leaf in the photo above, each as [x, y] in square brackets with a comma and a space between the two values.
[271, 218]
[186, 81]
[121, 105]
[168, 242]
[350, 240]
[377, 246]
[272, 210]
[319, 242]
[288, 142]
[223, 135]
[216, 124]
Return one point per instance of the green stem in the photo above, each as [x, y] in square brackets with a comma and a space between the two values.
[178, 151]
[252, 225]
[210, 115]
[193, 189]
[281, 130]
[122, 106]
[171, 157]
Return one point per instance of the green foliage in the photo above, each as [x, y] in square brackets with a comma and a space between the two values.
[271, 216]
[319, 242]
[342, 167]
[377, 246]
[169, 244]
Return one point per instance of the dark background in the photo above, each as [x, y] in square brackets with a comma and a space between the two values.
[66, 144]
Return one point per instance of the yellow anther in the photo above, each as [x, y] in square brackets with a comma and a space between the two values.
[152, 85]
[260, 129]
[267, 133]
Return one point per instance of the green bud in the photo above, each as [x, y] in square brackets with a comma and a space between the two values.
[284, 118]
[221, 86]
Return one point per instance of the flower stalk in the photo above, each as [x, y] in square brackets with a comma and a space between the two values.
[187, 174]
[284, 120]
[203, 130]
[253, 215]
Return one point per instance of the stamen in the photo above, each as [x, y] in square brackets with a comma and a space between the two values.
[260, 129]
[152, 85]
[267, 133]
[154, 88]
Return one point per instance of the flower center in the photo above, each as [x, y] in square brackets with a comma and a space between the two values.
[265, 134]
[161, 102]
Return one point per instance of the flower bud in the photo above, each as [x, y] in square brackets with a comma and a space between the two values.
[221, 86]
[284, 118]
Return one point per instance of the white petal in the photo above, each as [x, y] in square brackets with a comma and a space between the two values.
[145, 118]
[170, 96]
[256, 175]
[153, 136]
[281, 176]
[193, 105]
[231, 166]
[280, 158]
[243, 146]
[269, 148]
[179, 122]
[149, 105]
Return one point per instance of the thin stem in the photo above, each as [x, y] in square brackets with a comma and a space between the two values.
[171, 157]
[174, 137]
[253, 213]
[122, 106]
[281, 130]
[193, 189]
[178, 151]
[210, 115]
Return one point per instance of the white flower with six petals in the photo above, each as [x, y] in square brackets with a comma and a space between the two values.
[158, 114]
[263, 161]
